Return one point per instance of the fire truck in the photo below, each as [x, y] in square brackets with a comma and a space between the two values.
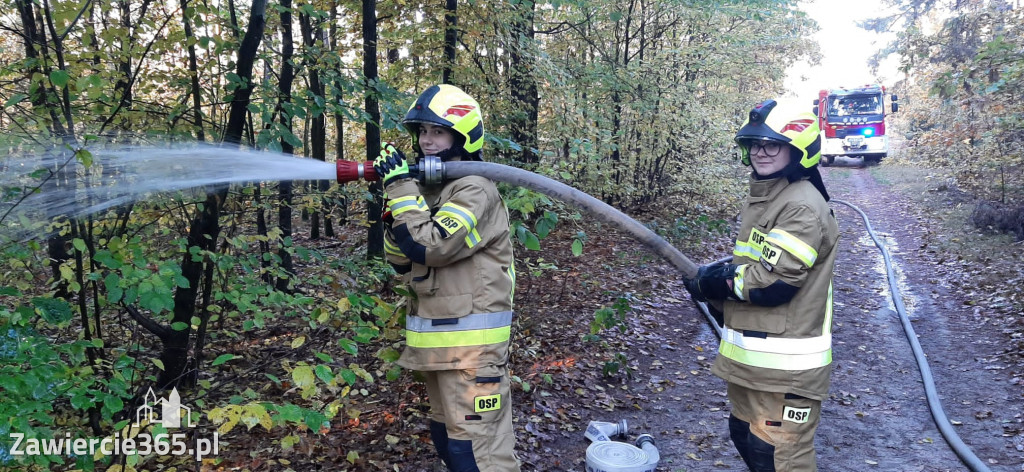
[852, 123]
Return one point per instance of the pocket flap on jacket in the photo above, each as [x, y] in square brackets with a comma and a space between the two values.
[451, 306]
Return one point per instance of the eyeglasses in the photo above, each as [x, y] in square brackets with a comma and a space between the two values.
[770, 149]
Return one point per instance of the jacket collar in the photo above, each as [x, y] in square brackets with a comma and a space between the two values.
[764, 190]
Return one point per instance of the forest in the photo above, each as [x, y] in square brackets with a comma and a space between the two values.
[268, 304]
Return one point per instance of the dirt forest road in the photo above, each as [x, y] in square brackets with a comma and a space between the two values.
[876, 418]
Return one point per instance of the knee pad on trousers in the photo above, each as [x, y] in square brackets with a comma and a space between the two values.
[460, 456]
[756, 453]
[439, 436]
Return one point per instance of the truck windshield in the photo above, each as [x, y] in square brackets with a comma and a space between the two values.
[850, 105]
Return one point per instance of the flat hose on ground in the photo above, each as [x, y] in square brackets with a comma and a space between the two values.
[934, 404]
[600, 210]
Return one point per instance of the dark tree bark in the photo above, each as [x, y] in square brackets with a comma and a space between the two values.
[285, 188]
[451, 36]
[124, 62]
[193, 69]
[318, 118]
[375, 233]
[204, 229]
[523, 83]
[339, 118]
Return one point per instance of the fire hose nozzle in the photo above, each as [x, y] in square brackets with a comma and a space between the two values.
[349, 171]
[429, 171]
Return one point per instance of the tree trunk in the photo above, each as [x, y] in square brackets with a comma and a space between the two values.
[205, 226]
[451, 36]
[523, 83]
[286, 188]
[375, 233]
[318, 128]
[193, 69]
[339, 118]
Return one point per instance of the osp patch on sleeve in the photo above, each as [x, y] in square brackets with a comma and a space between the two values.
[487, 403]
[796, 415]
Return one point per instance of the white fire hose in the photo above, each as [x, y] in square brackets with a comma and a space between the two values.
[605, 455]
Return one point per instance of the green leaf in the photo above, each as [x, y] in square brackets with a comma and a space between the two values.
[84, 156]
[52, 310]
[81, 402]
[16, 98]
[530, 241]
[393, 373]
[324, 373]
[179, 326]
[389, 355]
[159, 364]
[10, 291]
[348, 346]
[349, 376]
[577, 247]
[303, 376]
[222, 359]
[59, 78]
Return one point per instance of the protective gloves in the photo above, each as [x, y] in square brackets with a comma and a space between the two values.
[713, 282]
[391, 165]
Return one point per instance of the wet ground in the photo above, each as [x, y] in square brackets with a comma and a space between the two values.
[876, 418]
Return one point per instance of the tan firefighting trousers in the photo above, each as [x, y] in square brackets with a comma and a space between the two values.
[785, 421]
[475, 405]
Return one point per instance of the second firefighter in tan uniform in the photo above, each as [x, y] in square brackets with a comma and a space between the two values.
[776, 348]
[451, 244]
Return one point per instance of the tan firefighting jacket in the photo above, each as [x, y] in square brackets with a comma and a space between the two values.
[452, 242]
[787, 240]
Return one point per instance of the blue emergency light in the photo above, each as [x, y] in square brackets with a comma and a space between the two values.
[867, 132]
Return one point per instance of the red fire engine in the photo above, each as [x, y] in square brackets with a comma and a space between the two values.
[852, 122]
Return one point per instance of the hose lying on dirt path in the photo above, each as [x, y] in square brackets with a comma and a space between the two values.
[934, 404]
[597, 208]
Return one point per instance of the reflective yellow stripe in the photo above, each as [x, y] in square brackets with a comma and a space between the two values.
[777, 352]
[454, 217]
[403, 204]
[476, 337]
[744, 249]
[473, 238]
[392, 249]
[737, 281]
[465, 214]
[776, 361]
[794, 246]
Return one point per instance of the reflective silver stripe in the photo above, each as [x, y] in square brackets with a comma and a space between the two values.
[359, 170]
[744, 249]
[475, 321]
[776, 345]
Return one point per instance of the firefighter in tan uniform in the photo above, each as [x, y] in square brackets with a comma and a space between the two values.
[451, 244]
[776, 295]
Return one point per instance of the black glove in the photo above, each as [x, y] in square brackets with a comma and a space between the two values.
[712, 282]
[391, 165]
